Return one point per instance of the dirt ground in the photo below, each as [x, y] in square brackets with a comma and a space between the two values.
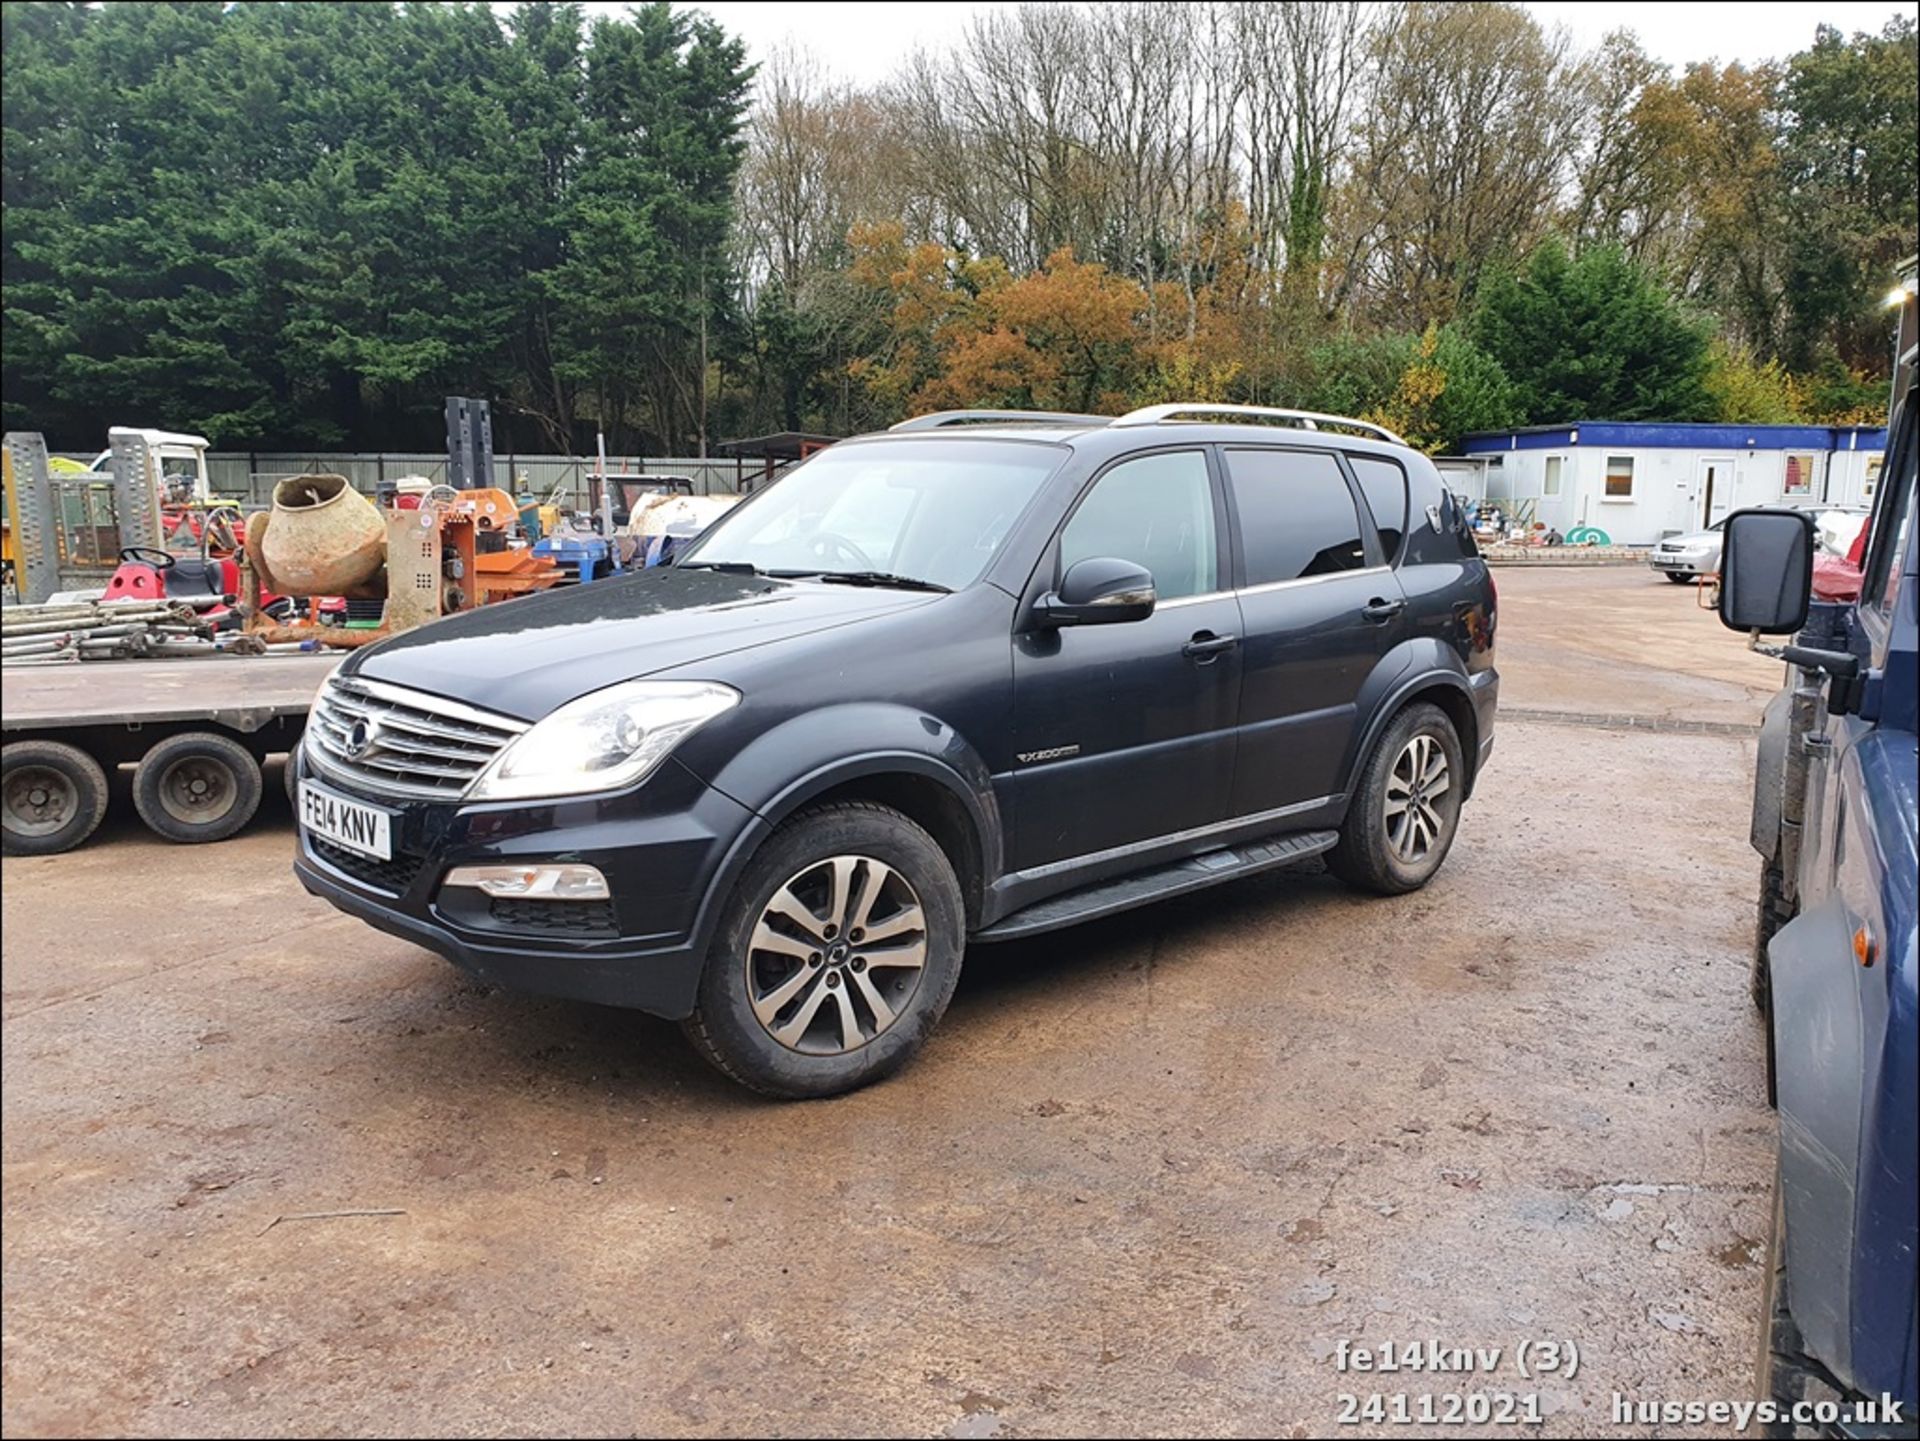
[1146, 1179]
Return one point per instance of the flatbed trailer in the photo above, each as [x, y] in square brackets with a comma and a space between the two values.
[196, 731]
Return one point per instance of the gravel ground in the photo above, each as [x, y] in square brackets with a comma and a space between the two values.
[1147, 1178]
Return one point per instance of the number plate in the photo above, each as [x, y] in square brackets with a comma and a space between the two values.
[362, 829]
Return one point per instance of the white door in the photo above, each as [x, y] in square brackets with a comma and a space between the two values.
[1713, 491]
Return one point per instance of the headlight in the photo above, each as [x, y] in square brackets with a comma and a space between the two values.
[602, 742]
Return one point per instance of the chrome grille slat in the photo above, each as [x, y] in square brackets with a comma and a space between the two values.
[412, 719]
[393, 740]
[399, 720]
[407, 766]
[434, 740]
[423, 745]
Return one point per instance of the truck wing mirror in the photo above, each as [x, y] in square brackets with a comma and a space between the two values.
[1766, 571]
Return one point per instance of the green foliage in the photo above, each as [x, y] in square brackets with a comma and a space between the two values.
[1593, 337]
[1851, 112]
[1832, 394]
[1433, 388]
[1749, 392]
[310, 223]
[297, 224]
[1767, 393]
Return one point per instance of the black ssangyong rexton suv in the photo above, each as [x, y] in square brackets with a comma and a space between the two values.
[977, 677]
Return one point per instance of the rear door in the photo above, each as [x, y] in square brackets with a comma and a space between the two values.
[1319, 606]
[1123, 734]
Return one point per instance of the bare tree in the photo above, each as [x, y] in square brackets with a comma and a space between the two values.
[1469, 116]
[1302, 65]
[1630, 178]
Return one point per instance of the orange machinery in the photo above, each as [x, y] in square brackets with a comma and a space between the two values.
[444, 556]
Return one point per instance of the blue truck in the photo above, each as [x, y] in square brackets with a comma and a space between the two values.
[1834, 819]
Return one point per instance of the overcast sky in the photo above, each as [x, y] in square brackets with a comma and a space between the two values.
[865, 42]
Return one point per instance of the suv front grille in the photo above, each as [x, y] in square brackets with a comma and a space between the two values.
[394, 741]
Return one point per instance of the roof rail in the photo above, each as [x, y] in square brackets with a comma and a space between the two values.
[1306, 419]
[940, 419]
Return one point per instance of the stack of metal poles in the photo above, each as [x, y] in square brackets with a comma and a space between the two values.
[67, 633]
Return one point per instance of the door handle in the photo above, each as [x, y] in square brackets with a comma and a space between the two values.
[1205, 646]
[1381, 611]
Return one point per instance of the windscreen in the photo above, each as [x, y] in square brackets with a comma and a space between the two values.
[930, 510]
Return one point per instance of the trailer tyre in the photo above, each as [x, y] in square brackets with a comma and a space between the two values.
[197, 787]
[52, 797]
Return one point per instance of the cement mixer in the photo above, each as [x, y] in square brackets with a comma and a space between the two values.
[423, 557]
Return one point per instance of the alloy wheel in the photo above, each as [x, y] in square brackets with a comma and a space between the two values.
[1420, 777]
[836, 955]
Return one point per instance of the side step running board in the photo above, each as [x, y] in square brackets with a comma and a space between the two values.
[1194, 873]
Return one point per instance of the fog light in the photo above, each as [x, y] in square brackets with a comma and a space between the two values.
[534, 883]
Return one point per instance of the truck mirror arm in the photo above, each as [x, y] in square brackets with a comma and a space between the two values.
[1843, 667]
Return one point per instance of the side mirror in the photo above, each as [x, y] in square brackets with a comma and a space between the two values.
[1099, 591]
[1766, 571]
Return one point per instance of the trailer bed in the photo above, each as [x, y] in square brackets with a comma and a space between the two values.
[241, 693]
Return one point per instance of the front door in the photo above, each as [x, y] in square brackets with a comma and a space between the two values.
[1714, 493]
[1124, 733]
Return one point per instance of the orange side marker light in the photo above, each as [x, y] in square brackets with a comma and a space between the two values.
[1864, 950]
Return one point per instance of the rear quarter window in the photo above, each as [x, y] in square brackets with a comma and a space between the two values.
[1384, 484]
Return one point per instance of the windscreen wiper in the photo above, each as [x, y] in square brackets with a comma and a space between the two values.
[881, 578]
[726, 567]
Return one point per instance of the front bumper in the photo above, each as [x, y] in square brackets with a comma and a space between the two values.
[1681, 563]
[667, 849]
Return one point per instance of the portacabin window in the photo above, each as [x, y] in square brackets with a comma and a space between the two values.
[1799, 477]
[1619, 477]
[1550, 484]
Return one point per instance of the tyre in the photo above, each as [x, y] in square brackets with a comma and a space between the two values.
[197, 787]
[52, 797]
[835, 955]
[1775, 911]
[1406, 807]
[1678, 578]
[1783, 1368]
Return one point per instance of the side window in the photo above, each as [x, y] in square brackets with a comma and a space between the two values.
[1156, 511]
[1296, 514]
[1384, 484]
[1887, 547]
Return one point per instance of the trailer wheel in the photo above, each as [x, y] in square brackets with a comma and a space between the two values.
[197, 787]
[52, 797]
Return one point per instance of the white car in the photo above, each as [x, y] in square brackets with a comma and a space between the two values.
[1681, 558]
